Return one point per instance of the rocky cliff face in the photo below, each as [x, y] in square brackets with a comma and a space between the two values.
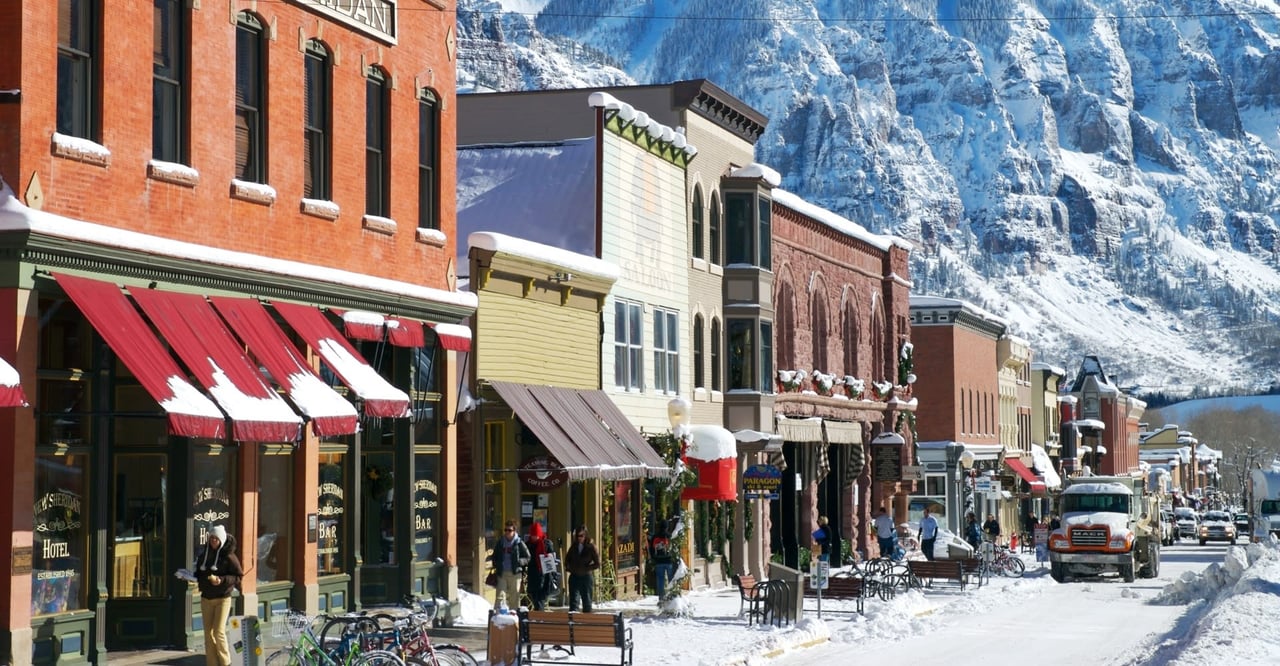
[1125, 150]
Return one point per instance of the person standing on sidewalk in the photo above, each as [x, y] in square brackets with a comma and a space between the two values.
[510, 557]
[885, 532]
[664, 563]
[581, 559]
[928, 534]
[217, 574]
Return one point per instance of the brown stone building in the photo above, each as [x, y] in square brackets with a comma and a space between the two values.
[841, 301]
[256, 176]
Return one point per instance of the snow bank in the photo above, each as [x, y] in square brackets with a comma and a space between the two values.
[1217, 577]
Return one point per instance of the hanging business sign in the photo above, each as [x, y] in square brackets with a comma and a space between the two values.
[373, 17]
[542, 473]
[762, 482]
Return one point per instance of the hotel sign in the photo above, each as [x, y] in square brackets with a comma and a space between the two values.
[372, 17]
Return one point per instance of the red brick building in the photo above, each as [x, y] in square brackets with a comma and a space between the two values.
[257, 176]
[1107, 422]
[841, 303]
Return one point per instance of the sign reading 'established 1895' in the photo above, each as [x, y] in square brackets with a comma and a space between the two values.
[373, 17]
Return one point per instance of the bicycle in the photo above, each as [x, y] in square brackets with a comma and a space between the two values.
[999, 560]
[305, 648]
[408, 637]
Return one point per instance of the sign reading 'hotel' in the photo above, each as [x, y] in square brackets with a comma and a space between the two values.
[373, 17]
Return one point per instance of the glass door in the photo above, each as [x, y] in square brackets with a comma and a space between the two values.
[139, 574]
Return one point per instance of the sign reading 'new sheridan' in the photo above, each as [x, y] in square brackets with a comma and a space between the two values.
[373, 17]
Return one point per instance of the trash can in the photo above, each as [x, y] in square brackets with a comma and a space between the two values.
[504, 639]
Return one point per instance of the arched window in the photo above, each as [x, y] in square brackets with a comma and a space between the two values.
[699, 373]
[714, 243]
[820, 330]
[849, 336]
[695, 216]
[428, 160]
[318, 102]
[716, 343]
[377, 154]
[251, 99]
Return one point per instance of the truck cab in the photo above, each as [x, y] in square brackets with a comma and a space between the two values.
[1106, 527]
[1265, 509]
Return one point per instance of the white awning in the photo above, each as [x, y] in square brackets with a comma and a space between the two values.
[800, 429]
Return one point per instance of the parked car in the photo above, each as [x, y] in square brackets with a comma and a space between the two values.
[1244, 526]
[1188, 522]
[1217, 526]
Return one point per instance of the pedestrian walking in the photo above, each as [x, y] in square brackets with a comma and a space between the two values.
[664, 563]
[217, 574]
[581, 560]
[510, 557]
[972, 531]
[885, 532]
[823, 537]
[542, 567]
[991, 529]
[928, 534]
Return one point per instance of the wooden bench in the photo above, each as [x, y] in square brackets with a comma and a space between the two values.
[840, 587]
[973, 570]
[929, 570]
[749, 595]
[568, 630]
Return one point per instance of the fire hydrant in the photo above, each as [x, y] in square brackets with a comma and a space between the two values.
[1013, 542]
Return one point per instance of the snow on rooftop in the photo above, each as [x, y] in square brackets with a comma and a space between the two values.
[757, 170]
[655, 129]
[837, 222]
[572, 261]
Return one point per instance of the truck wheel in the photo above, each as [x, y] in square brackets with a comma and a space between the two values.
[1126, 572]
[1152, 568]
[1057, 570]
[1202, 542]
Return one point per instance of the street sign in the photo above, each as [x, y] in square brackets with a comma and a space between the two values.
[985, 485]
[912, 473]
[818, 581]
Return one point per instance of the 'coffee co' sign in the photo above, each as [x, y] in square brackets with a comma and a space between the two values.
[542, 473]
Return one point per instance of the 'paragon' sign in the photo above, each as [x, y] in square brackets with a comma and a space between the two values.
[373, 17]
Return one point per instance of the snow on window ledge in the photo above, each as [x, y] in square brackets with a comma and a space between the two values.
[173, 173]
[701, 394]
[698, 264]
[430, 237]
[326, 210]
[717, 396]
[80, 150]
[259, 193]
[382, 225]
[717, 269]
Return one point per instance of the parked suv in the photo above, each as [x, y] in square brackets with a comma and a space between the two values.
[1217, 526]
[1188, 522]
[1244, 526]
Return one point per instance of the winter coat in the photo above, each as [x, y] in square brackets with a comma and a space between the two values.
[519, 554]
[992, 528]
[539, 545]
[581, 562]
[660, 551]
[221, 562]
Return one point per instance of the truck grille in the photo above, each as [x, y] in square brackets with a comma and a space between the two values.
[1088, 537]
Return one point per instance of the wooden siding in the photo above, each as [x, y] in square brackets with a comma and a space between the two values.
[644, 230]
[534, 342]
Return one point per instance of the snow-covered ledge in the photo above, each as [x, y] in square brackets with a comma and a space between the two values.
[80, 150]
[326, 210]
[173, 173]
[433, 237]
[382, 225]
[259, 193]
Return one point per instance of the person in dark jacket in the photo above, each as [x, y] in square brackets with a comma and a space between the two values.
[992, 528]
[510, 557]
[664, 562]
[972, 531]
[541, 585]
[581, 559]
[217, 574]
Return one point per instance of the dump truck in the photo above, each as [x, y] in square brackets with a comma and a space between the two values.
[1265, 499]
[1109, 525]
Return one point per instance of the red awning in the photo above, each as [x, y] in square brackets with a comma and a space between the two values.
[219, 363]
[454, 337]
[190, 412]
[330, 413]
[1037, 485]
[405, 332]
[11, 394]
[361, 325]
[379, 396]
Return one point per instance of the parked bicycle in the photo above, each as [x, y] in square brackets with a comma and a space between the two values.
[407, 636]
[999, 560]
[306, 648]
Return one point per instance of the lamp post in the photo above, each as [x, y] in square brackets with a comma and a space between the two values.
[967, 459]
[679, 414]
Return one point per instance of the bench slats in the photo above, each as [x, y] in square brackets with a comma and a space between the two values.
[568, 630]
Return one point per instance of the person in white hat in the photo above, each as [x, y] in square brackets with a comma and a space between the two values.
[217, 574]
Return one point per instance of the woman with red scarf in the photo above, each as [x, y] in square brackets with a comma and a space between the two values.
[543, 571]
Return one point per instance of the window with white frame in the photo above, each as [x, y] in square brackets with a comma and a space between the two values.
[628, 345]
[666, 351]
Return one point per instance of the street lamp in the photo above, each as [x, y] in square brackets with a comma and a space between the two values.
[967, 460]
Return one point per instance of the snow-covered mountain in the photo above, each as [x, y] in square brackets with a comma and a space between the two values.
[1103, 174]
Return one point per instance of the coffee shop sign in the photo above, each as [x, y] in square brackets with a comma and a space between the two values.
[373, 17]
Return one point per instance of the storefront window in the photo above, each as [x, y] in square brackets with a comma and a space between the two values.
[625, 525]
[426, 505]
[378, 544]
[138, 562]
[331, 507]
[275, 506]
[214, 479]
[60, 539]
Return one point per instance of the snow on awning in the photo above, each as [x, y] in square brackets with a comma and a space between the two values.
[454, 337]
[712, 442]
[218, 362]
[379, 396]
[403, 332]
[190, 412]
[804, 429]
[330, 413]
[1044, 464]
[359, 325]
[11, 394]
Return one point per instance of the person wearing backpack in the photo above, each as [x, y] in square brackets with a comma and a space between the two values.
[510, 557]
